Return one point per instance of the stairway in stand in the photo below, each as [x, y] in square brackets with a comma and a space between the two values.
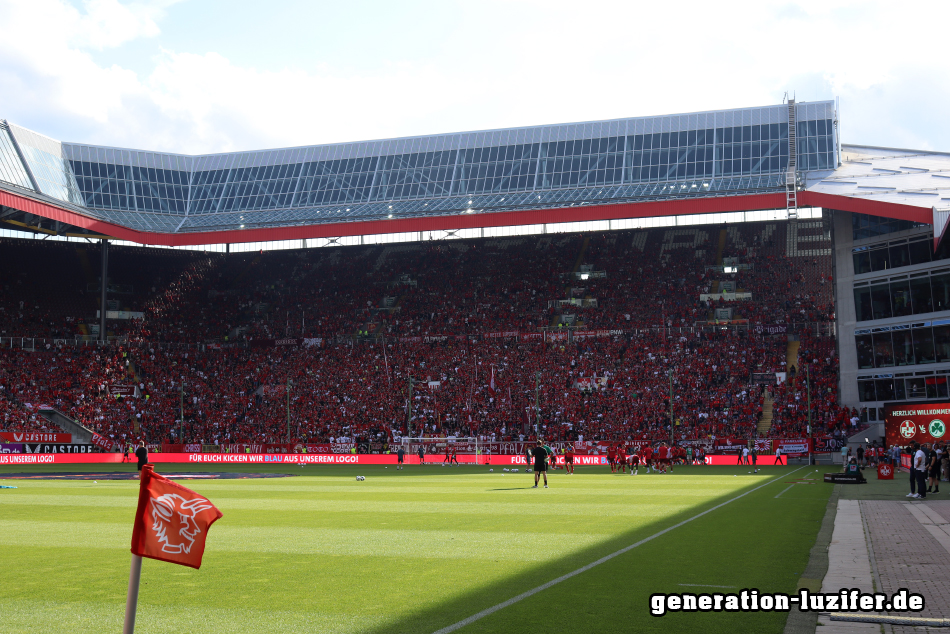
[765, 420]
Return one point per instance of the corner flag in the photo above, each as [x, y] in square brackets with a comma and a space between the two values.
[171, 524]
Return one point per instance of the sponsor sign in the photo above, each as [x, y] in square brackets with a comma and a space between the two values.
[10, 448]
[792, 446]
[762, 461]
[291, 342]
[764, 378]
[827, 445]
[265, 458]
[914, 422]
[54, 448]
[585, 334]
[32, 436]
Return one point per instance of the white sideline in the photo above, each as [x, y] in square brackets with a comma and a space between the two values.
[533, 591]
[784, 490]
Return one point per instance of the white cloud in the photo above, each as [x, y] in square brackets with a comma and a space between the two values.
[505, 64]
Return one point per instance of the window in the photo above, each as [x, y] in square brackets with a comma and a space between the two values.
[862, 262]
[899, 255]
[920, 251]
[940, 284]
[924, 344]
[881, 300]
[900, 298]
[915, 388]
[920, 294]
[936, 386]
[899, 392]
[942, 343]
[865, 346]
[879, 259]
[884, 389]
[883, 350]
[903, 345]
[862, 303]
[866, 391]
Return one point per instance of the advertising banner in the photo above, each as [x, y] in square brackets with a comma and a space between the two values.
[54, 448]
[32, 436]
[794, 447]
[762, 461]
[907, 461]
[493, 461]
[102, 442]
[827, 445]
[10, 448]
[915, 422]
[290, 342]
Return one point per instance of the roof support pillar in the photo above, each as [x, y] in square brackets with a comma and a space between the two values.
[103, 289]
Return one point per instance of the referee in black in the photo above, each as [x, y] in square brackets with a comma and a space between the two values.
[540, 455]
[141, 454]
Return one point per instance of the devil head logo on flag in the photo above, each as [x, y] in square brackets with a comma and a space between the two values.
[172, 522]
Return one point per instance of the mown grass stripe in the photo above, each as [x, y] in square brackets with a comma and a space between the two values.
[594, 564]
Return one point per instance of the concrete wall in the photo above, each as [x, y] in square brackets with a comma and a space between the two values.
[844, 309]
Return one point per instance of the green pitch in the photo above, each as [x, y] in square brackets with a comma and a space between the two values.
[412, 551]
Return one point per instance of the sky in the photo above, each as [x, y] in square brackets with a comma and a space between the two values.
[203, 76]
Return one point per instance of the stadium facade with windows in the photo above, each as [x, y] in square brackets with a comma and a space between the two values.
[885, 209]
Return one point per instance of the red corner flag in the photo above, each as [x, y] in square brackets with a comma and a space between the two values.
[172, 522]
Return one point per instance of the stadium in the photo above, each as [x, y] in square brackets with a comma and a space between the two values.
[682, 286]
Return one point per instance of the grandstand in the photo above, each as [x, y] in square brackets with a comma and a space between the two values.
[234, 329]
[575, 331]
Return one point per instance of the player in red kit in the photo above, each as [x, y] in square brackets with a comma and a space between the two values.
[648, 457]
[569, 459]
[662, 457]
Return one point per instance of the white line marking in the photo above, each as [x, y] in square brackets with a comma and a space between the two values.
[783, 491]
[553, 582]
[703, 585]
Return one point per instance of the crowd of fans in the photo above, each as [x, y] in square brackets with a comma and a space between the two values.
[205, 348]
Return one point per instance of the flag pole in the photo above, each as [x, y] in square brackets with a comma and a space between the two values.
[131, 602]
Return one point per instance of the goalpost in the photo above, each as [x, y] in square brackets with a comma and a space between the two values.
[436, 445]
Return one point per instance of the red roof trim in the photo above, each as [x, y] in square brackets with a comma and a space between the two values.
[468, 221]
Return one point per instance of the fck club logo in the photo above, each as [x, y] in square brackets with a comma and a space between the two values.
[885, 470]
[174, 521]
[908, 429]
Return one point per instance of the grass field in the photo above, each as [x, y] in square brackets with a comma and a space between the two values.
[412, 551]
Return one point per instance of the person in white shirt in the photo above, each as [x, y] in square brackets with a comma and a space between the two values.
[920, 472]
[778, 455]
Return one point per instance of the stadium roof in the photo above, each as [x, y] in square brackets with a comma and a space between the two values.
[718, 161]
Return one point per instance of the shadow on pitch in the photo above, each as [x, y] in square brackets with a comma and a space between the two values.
[447, 613]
